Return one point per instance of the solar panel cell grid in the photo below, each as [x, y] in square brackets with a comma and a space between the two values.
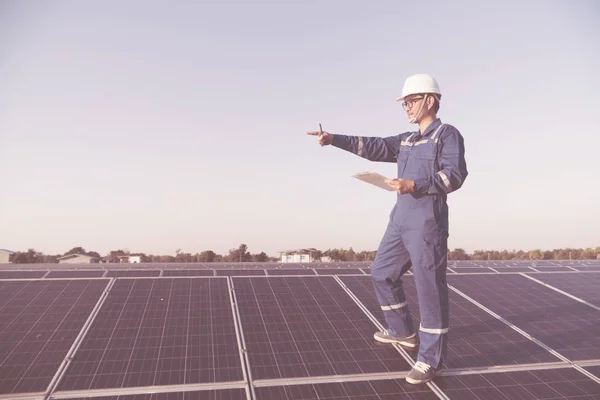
[159, 332]
[308, 326]
[588, 269]
[75, 274]
[239, 272]
[287, 271]
[338, 271]
[223, 394]
[22, 274]
[472, 270]
[584, 286]
[40, 321]
[563, 324]
[475, 339]
[188, 272]
[513, 269]
[557, 384]
[552, 268]
[364, 390]
[133, 273]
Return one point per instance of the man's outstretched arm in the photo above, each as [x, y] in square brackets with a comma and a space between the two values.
[370, 148]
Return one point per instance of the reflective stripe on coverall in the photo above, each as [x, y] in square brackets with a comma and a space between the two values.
[417, 231]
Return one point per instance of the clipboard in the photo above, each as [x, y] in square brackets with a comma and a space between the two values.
[374, 179]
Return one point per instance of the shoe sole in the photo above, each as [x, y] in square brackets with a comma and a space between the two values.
[417, 382]
[403, 344]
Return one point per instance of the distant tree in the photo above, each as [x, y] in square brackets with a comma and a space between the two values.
[183, 257]
[31, 256]
[260, 257]
[75, 250]
[458, 254]
[535, 255]
[207, 256]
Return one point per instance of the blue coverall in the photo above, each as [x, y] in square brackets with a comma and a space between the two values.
[417, 230]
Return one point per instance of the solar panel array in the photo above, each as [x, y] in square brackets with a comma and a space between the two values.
[519, 330]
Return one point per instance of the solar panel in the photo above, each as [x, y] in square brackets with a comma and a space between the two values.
[387, 389]
[159, 332]
[513, 269]
[222, 394]
[75, 273]
[588, 268]
[22, 274]
[286, 271]
[594, 370]
[188, 272]
[556, 384]
[338, 271]
[463, 270]
[239, 272]
[475, 339]
[584, 286]
[132, 273]
[308, 326]
[552, 268]
[39, 323]
[565, 325]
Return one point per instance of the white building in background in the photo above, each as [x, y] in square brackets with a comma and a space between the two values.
[5, 256]
[130, 259]
[78, 259]
[297, 256]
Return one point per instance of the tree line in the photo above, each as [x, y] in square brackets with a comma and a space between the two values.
[241, 254]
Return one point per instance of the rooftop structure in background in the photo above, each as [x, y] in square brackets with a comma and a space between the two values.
[5, 256]
[78, 259]
[297, 256]
[130, 259]
[256, 331]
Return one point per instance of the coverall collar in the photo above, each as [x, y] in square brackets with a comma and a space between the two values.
[433, 126]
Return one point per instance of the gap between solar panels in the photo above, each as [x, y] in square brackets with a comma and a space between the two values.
[241, 340]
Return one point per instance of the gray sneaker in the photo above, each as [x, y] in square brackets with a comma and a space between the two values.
[408, 342]
[420, 373]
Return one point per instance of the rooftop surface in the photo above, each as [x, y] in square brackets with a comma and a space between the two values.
[518, 330]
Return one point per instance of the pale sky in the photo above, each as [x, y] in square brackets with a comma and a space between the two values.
[156, 125]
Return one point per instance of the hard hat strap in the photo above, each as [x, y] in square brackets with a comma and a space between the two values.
[416, 117]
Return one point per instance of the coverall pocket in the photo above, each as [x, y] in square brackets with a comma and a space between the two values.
[434, 250]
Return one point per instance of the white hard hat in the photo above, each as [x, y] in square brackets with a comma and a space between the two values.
[420, 83]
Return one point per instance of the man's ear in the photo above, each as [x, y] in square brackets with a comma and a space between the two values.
[430, 102]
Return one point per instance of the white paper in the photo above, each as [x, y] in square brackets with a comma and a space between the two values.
[374, 179]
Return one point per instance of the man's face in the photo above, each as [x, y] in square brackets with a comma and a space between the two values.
[412, 104]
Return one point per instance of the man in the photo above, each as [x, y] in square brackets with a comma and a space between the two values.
[431, 164]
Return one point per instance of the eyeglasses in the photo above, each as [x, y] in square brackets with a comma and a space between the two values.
[411, 103]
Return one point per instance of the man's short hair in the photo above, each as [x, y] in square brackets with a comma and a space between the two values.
[436, 104]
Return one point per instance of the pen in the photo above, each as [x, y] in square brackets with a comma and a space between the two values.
[321, 129]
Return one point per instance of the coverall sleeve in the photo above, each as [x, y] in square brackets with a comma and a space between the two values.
[372, 148]
[452, 166]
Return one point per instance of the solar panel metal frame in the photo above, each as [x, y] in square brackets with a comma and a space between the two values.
[513, 326]
[536, 357]
[243, 384]
[340, 378]
[72, 349]
[361, 377]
